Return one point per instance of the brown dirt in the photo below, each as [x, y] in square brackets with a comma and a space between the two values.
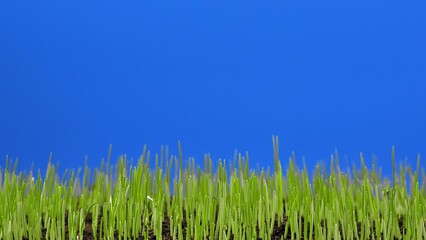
[278, 231]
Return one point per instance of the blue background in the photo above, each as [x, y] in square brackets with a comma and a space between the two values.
[76, 76]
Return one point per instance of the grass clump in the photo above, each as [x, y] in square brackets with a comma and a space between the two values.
[170, 201]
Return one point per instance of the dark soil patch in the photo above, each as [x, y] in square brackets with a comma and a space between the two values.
[277, 233]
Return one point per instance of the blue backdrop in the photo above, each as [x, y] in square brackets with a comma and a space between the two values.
[76, 76]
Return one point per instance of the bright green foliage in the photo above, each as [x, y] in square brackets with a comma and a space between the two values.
[202, 204]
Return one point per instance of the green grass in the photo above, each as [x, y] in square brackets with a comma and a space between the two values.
[233, 202]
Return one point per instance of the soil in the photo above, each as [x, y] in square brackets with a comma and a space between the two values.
[278, 231]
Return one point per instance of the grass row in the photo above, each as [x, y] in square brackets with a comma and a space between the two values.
[232, 202]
